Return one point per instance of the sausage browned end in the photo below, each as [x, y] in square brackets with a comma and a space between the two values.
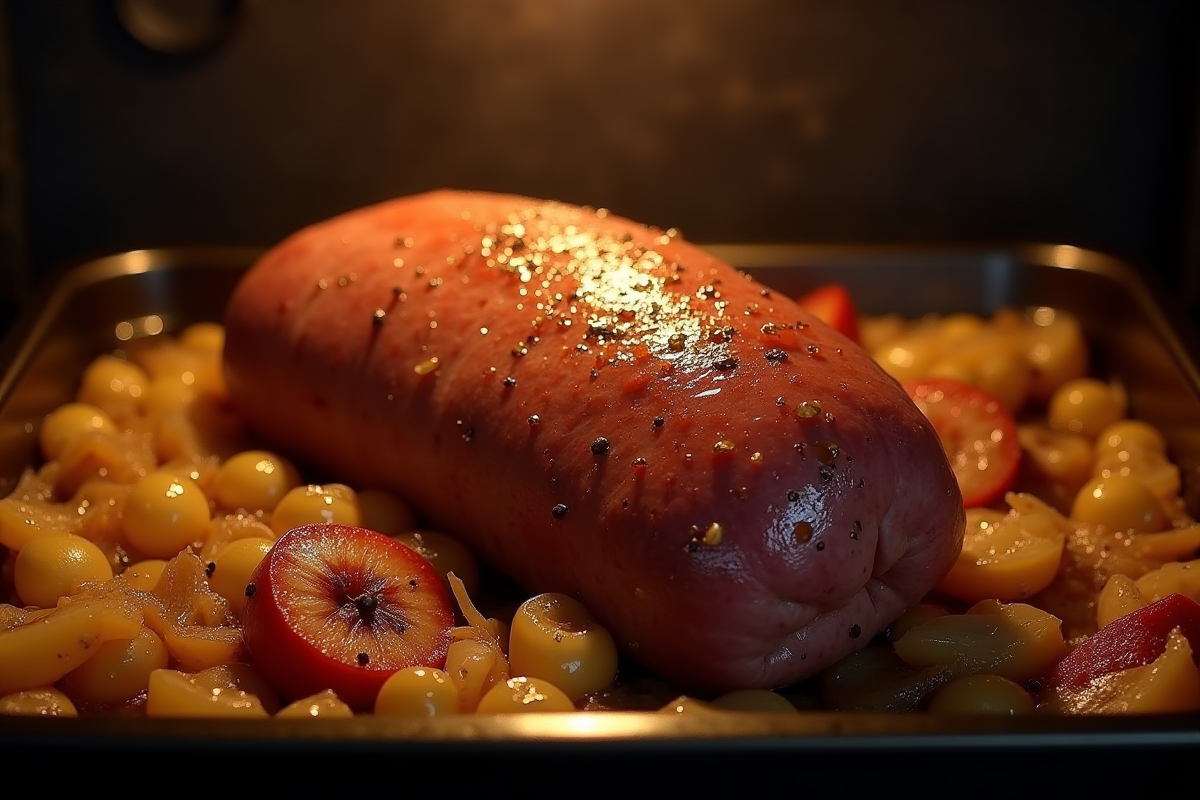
[605, 410]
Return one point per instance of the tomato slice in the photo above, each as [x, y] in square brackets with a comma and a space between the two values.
[832, 304]
[1134, 640]
[977, 432]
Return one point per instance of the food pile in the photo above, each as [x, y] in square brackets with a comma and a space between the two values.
[162, 561]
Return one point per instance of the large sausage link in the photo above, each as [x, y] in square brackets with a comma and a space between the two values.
[605, 410]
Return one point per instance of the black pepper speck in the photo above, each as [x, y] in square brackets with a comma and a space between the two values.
[210, 568]
[659, 422]
[601, 446]
[251, 589]
[776, 356]
[559, 511]
[363, 659]
[855, 631]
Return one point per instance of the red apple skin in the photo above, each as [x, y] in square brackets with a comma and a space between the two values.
[306, 584]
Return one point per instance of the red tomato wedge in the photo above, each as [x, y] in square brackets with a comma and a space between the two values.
[832, 304]
[977, 432]
[1134, 640]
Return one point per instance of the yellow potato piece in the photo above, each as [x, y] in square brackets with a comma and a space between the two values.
[323, 705]
[982, 694]
[42, 650]
[523, 695]
[21, 521]
[119, 672]
[11, 616]
[1171, 683]
[553, 637]
[1174, 578]
[417, 692]
[1014, 640]
[1057, 351]
[1120, 596]
[48, 702]
[475, 667]
[1008, 559]
[875, 679]
[1169, 545]
[177, 694]
[195, 647]
[243, 676]
[225, 529]
[190, 618]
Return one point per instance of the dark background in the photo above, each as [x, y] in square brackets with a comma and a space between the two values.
[1064, 121]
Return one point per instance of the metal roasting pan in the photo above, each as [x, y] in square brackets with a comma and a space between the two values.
[1135, 336]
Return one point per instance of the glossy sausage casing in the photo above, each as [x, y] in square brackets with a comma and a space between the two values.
[602, 409]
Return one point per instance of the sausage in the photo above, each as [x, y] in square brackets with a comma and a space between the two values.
[603, 409]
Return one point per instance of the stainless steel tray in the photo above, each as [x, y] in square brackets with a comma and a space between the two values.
[1133, 332]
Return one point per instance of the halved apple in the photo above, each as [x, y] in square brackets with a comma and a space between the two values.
[339, 607]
